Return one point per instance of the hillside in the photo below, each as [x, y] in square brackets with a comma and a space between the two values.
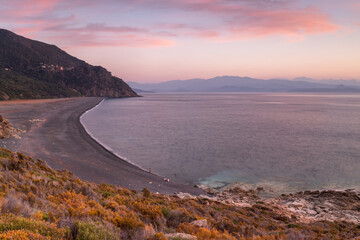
[41, 203]
[243, 84]
[32, 69]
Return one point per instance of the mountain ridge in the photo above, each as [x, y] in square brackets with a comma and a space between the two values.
[33, 69]
[242, 84]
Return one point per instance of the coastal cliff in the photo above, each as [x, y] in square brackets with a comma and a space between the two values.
[33, 69]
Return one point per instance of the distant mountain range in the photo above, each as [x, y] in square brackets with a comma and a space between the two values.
[246, 84]
[352, 83]
[33, 69]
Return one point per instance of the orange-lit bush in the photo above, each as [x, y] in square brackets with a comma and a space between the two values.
[20, 235]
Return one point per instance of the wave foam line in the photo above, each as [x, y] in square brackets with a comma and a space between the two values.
[103, 144]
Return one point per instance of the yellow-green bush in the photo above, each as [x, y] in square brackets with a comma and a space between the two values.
[5, 153]
[93, 231]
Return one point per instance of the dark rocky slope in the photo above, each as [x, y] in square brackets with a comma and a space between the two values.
[32, 69]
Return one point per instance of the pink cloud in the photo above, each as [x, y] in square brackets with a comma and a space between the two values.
[31, 17]
[123, 41]
[188, 30]
[32, 27]
[240, 19]
[235, 19]
[94, 35]
[206, 34]
[38, 19]
[111, 37]
[356, 6]
[252, 18]
[294, 22]
[18, 8]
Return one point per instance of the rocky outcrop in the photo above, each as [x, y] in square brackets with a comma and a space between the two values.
[203, 223]
[327, 205]
[6, 130]
[180, 236]
[305, 207]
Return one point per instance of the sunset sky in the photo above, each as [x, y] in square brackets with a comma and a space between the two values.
[159, 40]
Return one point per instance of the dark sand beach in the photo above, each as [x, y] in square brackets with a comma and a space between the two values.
[54, 134]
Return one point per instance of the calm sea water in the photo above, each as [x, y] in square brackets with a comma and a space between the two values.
[282, 142]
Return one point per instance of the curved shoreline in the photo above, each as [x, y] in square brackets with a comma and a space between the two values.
[107, 148]
[56, 135]
[59, 138]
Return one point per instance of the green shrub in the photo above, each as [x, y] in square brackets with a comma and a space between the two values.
[146, 192]
[93, 231]
[5, 153]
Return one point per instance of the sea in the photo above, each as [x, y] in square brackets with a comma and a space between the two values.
[281, 142]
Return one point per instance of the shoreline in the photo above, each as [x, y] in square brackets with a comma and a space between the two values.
[55, 134]
[81, 154]
[106, 148]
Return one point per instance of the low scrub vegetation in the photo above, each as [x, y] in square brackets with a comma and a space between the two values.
[38, 202]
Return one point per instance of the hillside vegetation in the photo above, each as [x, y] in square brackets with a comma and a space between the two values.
[33, 69]
[7, 130]
[38, 202]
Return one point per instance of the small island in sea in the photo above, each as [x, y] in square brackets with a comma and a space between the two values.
[60, 180]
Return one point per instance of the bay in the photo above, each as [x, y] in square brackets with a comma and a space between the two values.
[280, 141]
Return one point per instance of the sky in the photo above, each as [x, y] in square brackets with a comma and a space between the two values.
[161, 40]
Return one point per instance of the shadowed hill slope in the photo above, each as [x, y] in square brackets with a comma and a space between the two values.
[33, 69]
